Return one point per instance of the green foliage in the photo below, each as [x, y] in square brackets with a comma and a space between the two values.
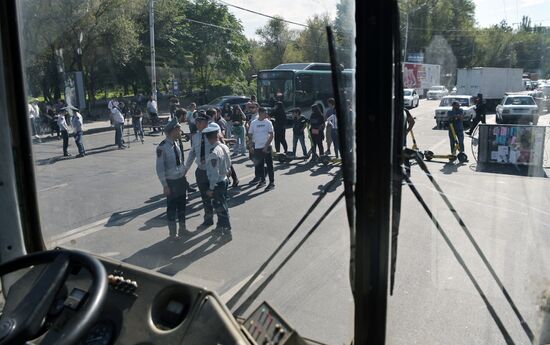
[215, 51]
[313, 39]
[202, 45]
[344, 28]
[275, 37]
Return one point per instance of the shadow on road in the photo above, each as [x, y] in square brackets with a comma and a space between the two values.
[173, 255]
[89, 152]
[450, 168]
[510, 169]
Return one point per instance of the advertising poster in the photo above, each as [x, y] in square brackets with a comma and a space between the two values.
[412, 75]
[521, 145]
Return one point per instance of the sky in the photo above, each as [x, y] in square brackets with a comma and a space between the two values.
[488, 12]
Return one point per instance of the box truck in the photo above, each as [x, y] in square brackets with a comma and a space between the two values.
[491, 82]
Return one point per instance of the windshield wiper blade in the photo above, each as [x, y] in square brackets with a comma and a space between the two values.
[322, 193]
[466, 230]
[345, 131]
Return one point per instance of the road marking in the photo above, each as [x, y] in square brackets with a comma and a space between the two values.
[88, 229]
[53, 187]
[108, 254]
[78, 232]
[232, 291]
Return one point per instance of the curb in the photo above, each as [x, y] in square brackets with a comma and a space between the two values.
[86, 132]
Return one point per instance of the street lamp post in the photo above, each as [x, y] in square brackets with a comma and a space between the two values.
[407, 29]
[152, 42]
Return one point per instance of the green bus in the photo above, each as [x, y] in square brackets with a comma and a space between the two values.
[299, 85]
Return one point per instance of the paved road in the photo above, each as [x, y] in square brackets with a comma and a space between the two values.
[110, 203]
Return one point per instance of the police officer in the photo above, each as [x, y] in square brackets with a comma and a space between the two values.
[171, 173]
[218, 166]
[200, 148]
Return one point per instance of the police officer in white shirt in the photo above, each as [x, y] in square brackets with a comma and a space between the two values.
[64, 129]
[261, 135]
[171, 174]
[218, 166]
[78, 129]
[200, 147]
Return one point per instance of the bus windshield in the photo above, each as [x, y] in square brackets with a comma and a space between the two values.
[275, 86]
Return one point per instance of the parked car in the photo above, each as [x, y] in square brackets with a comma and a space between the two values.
[220, 102]
[467, 104]
[436, 92]
[410, 98]
[517, 109]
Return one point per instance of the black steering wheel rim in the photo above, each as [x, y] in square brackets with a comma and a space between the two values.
[77, 327]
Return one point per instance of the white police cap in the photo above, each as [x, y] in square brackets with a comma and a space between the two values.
[171, 125]
[212, 128]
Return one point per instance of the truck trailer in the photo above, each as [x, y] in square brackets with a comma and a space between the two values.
[491, 82]
[420, 76]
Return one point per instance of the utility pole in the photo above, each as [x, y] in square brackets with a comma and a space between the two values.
[407, 28]
[406, 38]
[152, 42]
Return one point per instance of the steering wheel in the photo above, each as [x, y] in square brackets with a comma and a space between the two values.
[21, 322]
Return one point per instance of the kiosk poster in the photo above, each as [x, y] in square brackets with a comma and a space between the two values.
[522, 145]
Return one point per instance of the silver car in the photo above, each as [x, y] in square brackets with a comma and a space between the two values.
[436, 92]
[517, 109]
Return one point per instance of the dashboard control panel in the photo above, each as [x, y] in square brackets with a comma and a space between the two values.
[267, 327]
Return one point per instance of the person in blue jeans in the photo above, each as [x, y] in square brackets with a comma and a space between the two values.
[77, 123]
[455, 117]
[333, 122]
[299, 123]
[238, 119]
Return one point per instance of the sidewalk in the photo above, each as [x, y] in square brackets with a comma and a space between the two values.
[93, 127]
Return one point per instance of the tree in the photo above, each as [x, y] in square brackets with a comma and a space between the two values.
[439, 52]
[344, 27]
[495, 46]
[313, 39]
[274, 38]
[66, 35]
[215, 43]
[454, 20]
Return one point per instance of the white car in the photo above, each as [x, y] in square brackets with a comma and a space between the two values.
[517, 109]
[436, 92]
[410, 98]
[467, 104]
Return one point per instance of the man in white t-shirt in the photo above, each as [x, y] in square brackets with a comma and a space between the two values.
[34, 116]
[261, 135]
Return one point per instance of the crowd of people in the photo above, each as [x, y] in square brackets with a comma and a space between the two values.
[57, 119]
[251, 130]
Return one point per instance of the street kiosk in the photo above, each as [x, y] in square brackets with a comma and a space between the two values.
[518, 145]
